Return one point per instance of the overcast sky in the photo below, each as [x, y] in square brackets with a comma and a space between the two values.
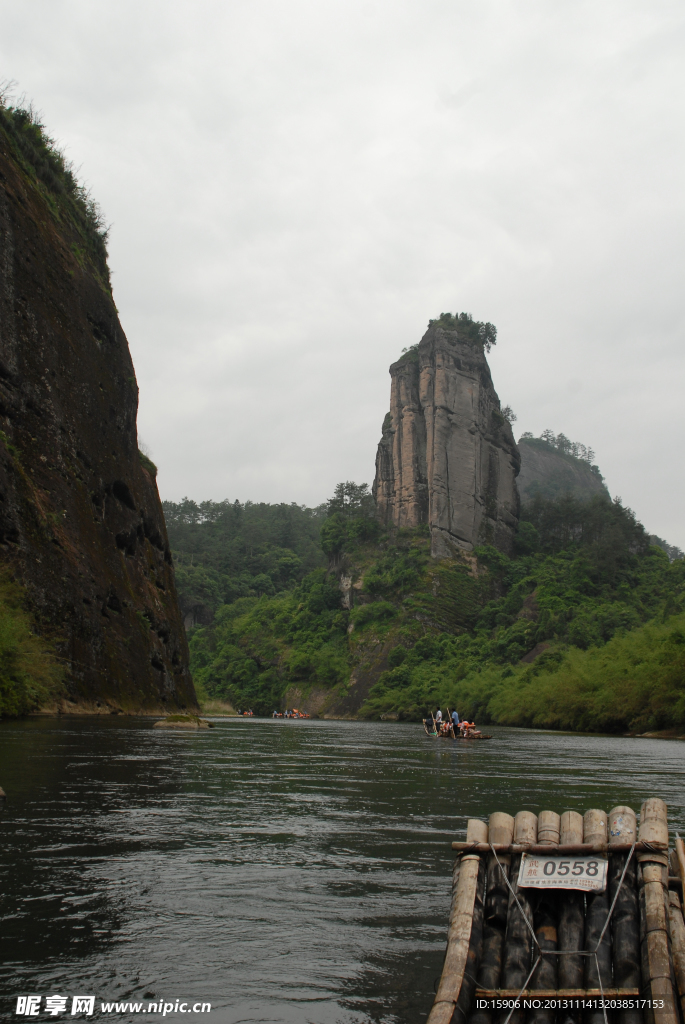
[296, 188]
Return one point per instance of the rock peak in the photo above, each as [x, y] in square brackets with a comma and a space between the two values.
[447, 457]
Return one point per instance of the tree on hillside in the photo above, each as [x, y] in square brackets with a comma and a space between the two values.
[351, 518]
[672, 550]
[351, 501]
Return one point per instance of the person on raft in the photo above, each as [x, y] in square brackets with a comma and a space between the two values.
[455, 721]
[468, 729]
[438, 717]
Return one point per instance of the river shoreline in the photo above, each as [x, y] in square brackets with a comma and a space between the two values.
[210, 711]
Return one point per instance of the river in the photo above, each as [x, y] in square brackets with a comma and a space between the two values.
[282, 871]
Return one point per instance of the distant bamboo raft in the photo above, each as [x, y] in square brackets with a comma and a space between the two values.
[541, 953]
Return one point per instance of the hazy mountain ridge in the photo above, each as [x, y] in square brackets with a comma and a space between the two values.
[548, 472]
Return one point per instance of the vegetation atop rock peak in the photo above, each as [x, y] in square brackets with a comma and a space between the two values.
[473, 332]
[476, 333]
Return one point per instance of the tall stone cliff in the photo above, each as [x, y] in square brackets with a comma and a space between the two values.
[447, 456]
[81, 525]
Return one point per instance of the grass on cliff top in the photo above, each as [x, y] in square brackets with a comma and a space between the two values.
[45, 165]
[30, 674]
[147, 464]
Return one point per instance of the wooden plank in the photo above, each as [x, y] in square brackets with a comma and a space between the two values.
[458, 939]
[558, 993]
[557, 850]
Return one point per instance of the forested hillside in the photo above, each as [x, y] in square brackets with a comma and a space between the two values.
[227, 550]
[584, 627]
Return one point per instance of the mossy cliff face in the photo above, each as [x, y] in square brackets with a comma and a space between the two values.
[81, 525]
[447, 457]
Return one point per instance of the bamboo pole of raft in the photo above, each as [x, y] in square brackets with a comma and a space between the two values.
[545, 916]
[653, 896]
[597, 967]
[516, 962]
[677, 931]
[571, 921]
[459, 935]
[473, 957]
[500, 830]
[625, 920]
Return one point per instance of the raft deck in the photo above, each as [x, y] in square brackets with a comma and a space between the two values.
[569, 918]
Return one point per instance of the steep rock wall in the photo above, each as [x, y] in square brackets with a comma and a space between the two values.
[447, 456]
[81, 525]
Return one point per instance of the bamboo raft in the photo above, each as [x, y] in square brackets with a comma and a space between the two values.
[529, 942]
[435, 735]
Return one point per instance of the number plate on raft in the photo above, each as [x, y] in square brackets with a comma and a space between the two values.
[587, 872]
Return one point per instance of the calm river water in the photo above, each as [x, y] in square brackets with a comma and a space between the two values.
[283, 871]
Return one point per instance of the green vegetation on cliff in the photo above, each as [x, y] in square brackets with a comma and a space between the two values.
[45, 165]
[29, 672]
[257, 647]
[635, 682]
[585, 590]
[226, 550]
[525, 640]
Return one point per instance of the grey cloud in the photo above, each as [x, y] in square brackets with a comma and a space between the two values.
[296, 188]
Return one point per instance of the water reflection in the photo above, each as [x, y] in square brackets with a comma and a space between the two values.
[283, 871]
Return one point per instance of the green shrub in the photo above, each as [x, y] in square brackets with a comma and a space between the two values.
[29, 672]
[147, 463]
[377, 611]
